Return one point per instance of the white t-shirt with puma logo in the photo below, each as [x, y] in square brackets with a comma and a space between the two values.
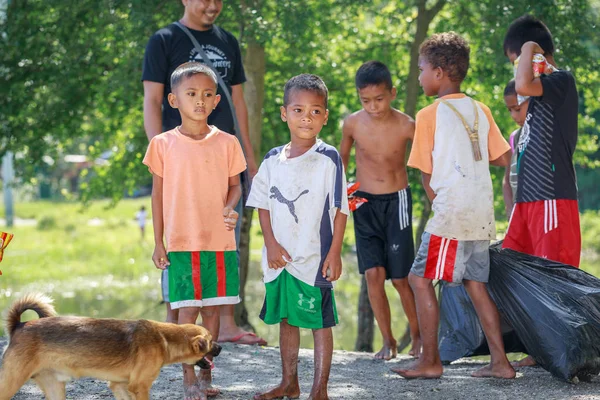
[302, 195]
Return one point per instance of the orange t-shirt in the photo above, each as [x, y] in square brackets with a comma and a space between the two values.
[195, 177]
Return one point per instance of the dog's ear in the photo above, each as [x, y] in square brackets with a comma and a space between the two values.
[200, 344]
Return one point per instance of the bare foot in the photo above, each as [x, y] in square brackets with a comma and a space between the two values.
[387, 352]
[525, 362]
[421, 370]
[415, 349]
[319, 395]
[205, 383]
[290, 391]
[502, 371]
[193, 392]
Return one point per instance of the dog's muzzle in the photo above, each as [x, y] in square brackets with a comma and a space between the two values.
[214, 351]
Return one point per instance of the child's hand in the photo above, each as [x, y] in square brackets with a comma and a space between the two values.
[277, 256]
[160, 257]
[535, 48]
[332, 267]
[231, 217]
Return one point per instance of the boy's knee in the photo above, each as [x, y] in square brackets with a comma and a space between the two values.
[417, 282]
[375, 275]
[401, 284]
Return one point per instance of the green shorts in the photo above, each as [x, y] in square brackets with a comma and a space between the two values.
[303, 305]
[203, 278]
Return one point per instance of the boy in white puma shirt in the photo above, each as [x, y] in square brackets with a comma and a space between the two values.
[300, 191]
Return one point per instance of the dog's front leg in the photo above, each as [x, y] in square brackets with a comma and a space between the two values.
[120, 391]
[50, 385]
[140, 391]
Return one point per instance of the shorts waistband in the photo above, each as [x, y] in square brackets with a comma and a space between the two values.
[381, 197]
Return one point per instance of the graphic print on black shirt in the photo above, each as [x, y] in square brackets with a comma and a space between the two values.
[170, 47]
[547, 142]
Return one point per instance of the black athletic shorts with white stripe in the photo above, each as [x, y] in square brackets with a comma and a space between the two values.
[383, 230]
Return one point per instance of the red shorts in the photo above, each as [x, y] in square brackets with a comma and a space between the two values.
[546, 228]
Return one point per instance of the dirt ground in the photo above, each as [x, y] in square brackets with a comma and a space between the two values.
[241, 371]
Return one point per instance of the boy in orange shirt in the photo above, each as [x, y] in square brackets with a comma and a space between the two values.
[456, 139]
[196, 186]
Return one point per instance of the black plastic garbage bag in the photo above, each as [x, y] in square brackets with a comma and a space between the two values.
[550, 310]
[460, 331]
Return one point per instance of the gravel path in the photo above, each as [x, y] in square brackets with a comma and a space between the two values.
[243, 370]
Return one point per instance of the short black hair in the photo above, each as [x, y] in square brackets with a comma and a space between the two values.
[448, 51]
[308, 82]
[510, 89]
[373, 73]
[189, 69]
[524, 29]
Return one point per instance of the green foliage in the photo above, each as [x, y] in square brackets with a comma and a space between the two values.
[71, 70]
[46, 223]
[590, 233]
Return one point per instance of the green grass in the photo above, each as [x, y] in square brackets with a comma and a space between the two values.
[94, 263]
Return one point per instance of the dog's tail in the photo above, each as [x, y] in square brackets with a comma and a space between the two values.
[37, 302]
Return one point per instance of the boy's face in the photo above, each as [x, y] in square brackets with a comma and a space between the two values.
[376, 99]
[429, 77]
[305, 114]
[195, 97]
[517, 112]
[203, 12]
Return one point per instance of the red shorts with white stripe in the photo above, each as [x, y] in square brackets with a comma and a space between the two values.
[452, 260]
[546, 228]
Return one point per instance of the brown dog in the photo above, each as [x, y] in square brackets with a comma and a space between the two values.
[129, 354]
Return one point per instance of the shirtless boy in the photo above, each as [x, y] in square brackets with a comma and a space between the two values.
[383, 225]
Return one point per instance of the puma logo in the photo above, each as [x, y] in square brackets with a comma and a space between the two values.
[276, 194]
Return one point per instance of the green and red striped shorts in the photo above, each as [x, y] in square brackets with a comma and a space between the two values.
[203, 278]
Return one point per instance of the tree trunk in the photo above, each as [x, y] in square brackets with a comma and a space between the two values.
[366, 327]
[254, 64]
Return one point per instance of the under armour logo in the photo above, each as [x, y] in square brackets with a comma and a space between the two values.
[395, 247]
[302, 301]
[276, 194]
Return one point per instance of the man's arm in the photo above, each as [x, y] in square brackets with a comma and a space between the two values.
[241, 112]
[153, 97]
[347, 142]
[525, 83]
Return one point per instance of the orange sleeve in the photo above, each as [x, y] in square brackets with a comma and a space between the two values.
[154, 158]
[422, 146]
[237, 161]
[497, 145]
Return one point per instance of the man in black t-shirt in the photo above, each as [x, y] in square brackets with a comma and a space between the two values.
[166, 50]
